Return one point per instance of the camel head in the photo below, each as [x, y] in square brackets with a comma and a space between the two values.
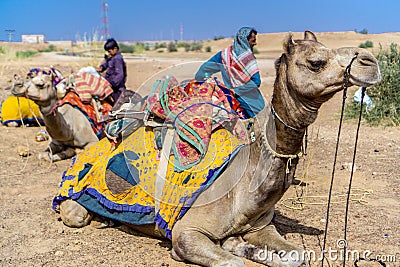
[40, 85]
[309, 74]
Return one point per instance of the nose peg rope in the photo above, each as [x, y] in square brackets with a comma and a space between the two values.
[345, 87]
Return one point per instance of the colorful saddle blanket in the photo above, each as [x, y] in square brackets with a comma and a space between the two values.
[119, 182]
[73, 99]
[195, 110]
[88, 85]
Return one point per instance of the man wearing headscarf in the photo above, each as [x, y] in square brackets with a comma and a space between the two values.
[239, 70]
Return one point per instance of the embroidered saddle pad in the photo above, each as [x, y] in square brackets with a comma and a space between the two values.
[73, 99]
[119, 182]
[195, 110]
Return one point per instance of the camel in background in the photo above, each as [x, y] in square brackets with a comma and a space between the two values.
[69, 126]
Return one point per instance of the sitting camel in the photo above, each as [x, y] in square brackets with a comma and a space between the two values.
[232, 218]
[69, 126]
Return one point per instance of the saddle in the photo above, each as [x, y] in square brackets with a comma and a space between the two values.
[186, 112]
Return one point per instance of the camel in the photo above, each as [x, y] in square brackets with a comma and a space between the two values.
[233, 218]
[69, 128]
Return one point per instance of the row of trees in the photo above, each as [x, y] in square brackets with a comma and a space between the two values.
[172, 46]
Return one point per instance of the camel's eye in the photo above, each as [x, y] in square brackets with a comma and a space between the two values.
[316, 65]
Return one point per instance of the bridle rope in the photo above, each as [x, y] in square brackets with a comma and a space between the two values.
[346, 84]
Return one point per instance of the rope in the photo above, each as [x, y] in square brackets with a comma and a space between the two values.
[27, 142]
[351, 174]
[301, 201]
[345, 81]
[280, 119]
[266, 144]
[301, 198]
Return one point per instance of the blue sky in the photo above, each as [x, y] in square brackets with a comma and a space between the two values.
[201, 19]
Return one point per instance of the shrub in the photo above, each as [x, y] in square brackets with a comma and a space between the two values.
[385, 95]
[367, 44]
[216, 38]
[208, 49]
[162, 45]
[2, 50]
[25, 54]
[124, 48]
[50, 48]
[187, 47]
[140, 47]
[172, 47]
[363, 31]
[196, 46]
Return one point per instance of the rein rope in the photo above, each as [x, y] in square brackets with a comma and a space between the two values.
[345, 82]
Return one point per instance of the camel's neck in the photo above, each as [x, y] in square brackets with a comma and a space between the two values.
[295, 115]
[52, 118]
[47, 108]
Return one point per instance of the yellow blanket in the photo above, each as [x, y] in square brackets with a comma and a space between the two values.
[14, 109]
[135, 161]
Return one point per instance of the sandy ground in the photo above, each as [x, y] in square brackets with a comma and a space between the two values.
[32, 234]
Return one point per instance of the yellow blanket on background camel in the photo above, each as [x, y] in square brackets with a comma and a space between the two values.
[20, 110]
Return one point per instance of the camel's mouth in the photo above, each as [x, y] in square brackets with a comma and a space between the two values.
[363, 82]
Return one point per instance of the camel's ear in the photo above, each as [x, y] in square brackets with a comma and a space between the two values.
[289, 44]
[309, 35]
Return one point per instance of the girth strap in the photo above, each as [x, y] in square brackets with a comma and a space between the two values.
[163, 167]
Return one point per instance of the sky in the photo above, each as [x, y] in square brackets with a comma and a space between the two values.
[140, 20]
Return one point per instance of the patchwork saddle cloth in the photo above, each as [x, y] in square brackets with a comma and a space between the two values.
[195, 110]
[118, 180]
[88, 109]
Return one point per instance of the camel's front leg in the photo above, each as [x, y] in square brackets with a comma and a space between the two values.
[196, 247]
[51, 156]
[267, 246]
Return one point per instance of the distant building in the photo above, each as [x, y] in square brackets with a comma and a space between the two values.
[33, 38]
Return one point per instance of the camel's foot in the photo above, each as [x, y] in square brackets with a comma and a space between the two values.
[74, 215]
[12, 124]
[66, 154]
[272, 249]
[101, 223]
[45, 156]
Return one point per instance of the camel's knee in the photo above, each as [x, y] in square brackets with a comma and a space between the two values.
[198, 248]
[73, 214]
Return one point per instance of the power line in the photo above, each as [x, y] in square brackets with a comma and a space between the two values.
[105, 32]
[10, 34]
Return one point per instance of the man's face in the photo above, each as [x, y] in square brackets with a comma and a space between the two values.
[252, 40]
